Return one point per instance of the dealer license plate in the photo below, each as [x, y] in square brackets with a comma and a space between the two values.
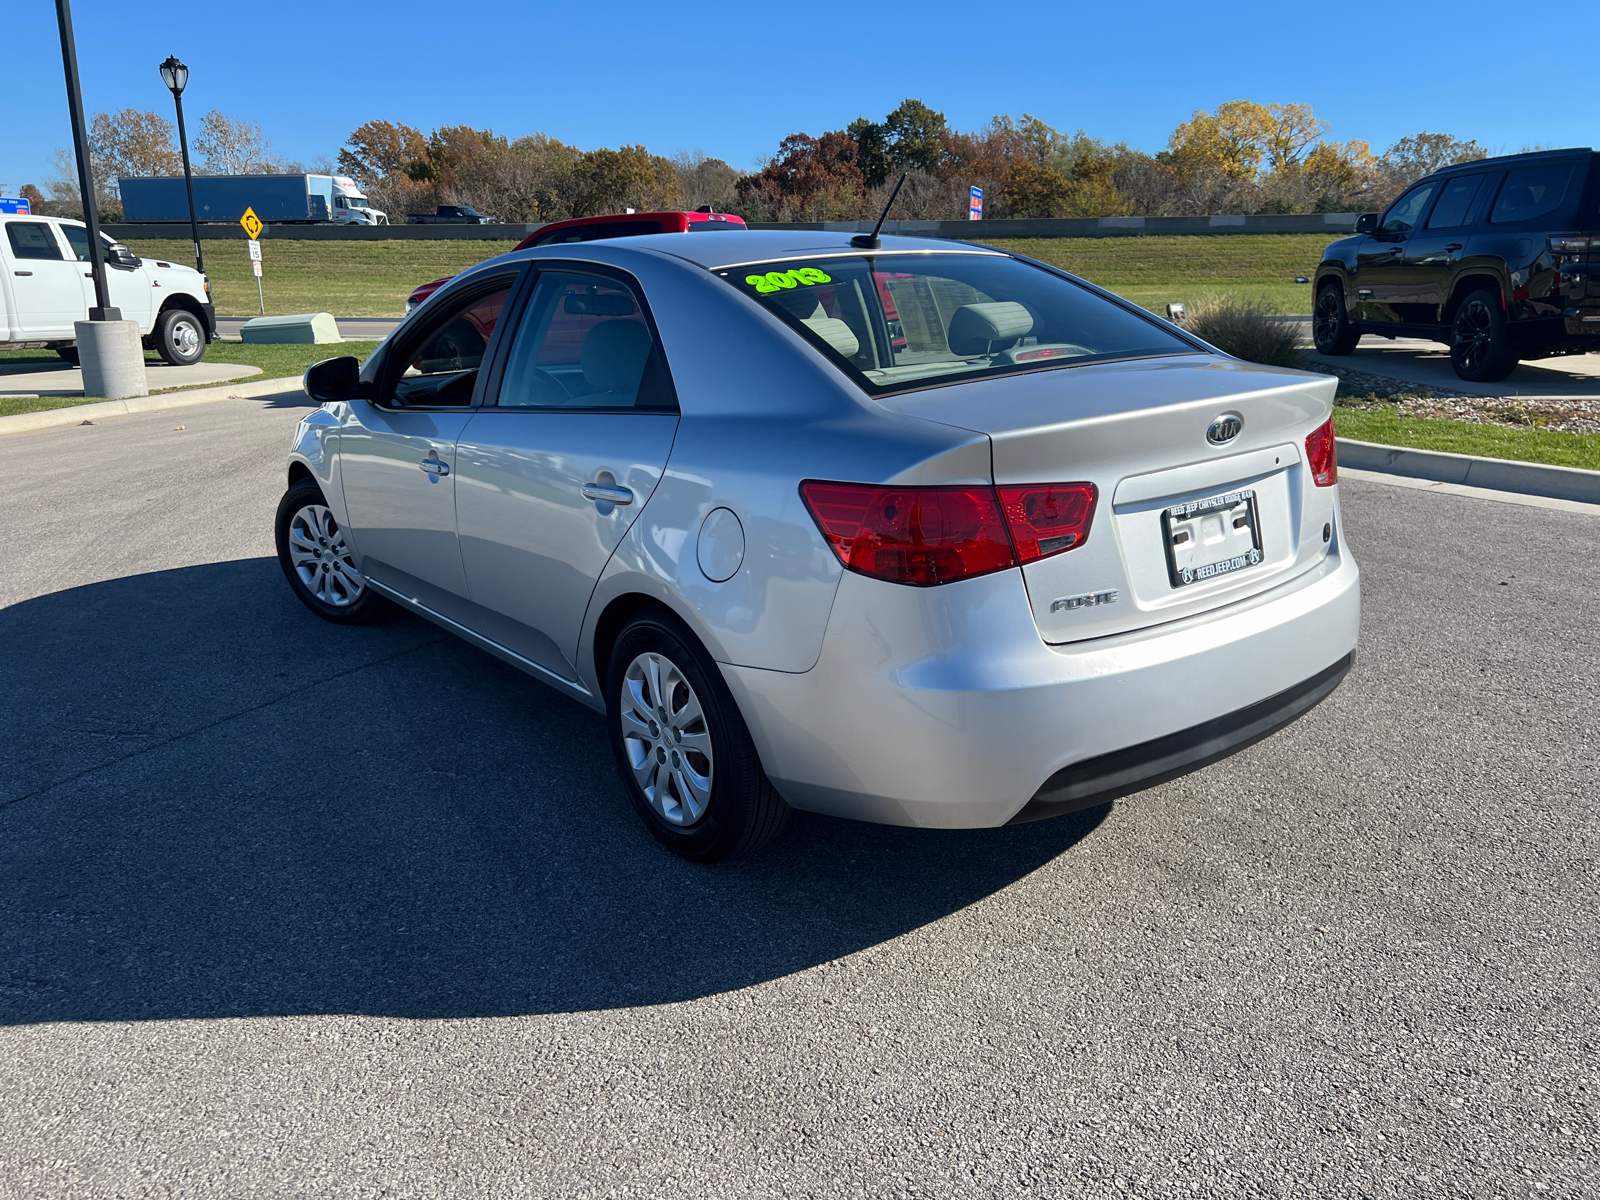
[1212, 537]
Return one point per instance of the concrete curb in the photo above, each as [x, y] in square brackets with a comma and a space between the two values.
[1498, 474]
[52, 417]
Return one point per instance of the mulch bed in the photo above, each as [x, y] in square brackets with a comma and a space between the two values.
[1566, 414]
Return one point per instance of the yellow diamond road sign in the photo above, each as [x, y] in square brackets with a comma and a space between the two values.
[251, 223]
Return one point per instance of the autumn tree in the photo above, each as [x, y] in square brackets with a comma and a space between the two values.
[382, 148]
[612, 180]
[810, 178]
[234, 147]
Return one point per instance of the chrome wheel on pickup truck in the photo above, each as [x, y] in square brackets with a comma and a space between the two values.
[179, 338]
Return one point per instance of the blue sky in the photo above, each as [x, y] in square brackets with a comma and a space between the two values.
[731, 79]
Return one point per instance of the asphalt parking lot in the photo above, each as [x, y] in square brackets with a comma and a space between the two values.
[289, 909]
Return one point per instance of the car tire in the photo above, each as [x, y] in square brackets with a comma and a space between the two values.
[317, 562]
[685, 755]
[179, 337]
[1330, 323]
[69, 353]
[1480, 342]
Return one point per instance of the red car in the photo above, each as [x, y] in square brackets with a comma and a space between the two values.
[612, 225]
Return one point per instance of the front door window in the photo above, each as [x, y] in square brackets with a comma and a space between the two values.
[1405, 214]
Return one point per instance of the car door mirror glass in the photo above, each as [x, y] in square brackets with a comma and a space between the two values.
[333, 379]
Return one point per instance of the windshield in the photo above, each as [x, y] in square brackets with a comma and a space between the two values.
[896, 321]
[356, 201]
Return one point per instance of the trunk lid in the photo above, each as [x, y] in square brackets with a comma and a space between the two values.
[1138, 432]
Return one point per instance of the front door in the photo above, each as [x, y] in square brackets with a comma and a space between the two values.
[47, 286]
[397, 450]
[1383, 285]
[130, 287]
[555, 469]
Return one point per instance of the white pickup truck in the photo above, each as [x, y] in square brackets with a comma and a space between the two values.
[47, 286]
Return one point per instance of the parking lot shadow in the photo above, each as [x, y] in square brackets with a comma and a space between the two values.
[213, 804]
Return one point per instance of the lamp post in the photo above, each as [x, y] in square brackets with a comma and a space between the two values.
[108, 347]
[176, 76]
[80, 146]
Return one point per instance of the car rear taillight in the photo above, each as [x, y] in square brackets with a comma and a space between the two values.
[1047, 518]
[1322, 455]
[928, 536]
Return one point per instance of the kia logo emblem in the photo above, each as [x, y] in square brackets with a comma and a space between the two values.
[1224, 429]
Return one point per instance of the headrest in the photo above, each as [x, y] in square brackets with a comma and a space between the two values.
[613, 355]
[836, 333]
[976, 328]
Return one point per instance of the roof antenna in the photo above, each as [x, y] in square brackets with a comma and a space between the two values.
[871, 241]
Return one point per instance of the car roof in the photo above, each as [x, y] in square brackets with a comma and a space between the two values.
[1503, 160]
[758, 245]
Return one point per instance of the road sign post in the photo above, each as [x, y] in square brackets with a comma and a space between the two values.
[255, 256]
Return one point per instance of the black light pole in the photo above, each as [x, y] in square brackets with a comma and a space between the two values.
[176, 76]
[80, 145]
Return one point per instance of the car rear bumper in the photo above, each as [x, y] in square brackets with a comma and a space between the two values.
[942, 707]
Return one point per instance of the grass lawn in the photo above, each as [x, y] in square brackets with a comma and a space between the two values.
[274, 361]
[1387, 426]
[347, 279]
[372, 279]
[1155, 271]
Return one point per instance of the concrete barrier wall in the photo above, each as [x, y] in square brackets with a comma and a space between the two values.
[1331, 224]
[328, 233]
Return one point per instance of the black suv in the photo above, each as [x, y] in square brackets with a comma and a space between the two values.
[1499, 259]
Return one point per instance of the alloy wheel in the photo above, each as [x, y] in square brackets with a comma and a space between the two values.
[1325, 324]
[667, 740]
[321, 557]
[1473, 332]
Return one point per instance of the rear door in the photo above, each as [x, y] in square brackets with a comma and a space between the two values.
[397, 450]
[1433, 252]
[554, 471]
[47, 287]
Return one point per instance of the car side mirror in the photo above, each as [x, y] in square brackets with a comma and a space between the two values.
[121, 256]
[333, 379]
[1367, 223]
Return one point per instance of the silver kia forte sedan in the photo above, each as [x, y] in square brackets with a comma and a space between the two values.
[912, 532]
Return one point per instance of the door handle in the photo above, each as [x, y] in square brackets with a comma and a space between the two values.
[22, 272]
[1453, 247]
[610, 493]
[434, 466]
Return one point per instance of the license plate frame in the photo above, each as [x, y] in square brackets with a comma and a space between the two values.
[1184, 519]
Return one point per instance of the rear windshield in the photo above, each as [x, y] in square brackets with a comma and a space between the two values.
[899, 321]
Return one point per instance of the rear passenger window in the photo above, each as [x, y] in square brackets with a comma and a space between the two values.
[31, 240]
[584, 343]
[1456, 202]
[1531, 192]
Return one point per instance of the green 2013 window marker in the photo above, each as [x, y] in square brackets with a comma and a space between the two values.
[777, 281]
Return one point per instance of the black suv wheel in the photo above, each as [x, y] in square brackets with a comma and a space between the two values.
[1480, 343]
[1330, 323]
